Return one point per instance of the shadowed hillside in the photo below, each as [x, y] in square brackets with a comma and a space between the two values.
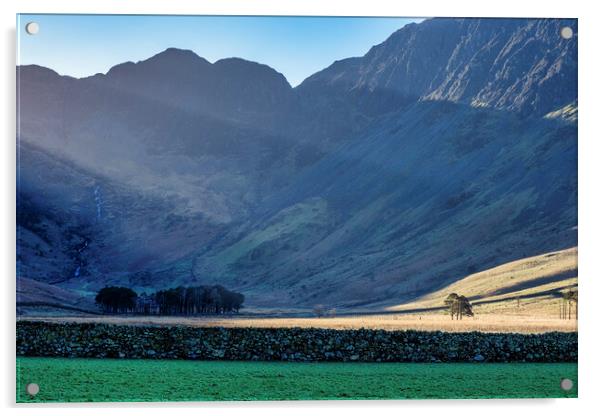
[37, 298]
[433, 192]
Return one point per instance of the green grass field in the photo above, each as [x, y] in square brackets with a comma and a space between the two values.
[102, 380]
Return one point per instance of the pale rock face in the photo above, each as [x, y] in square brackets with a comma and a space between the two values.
[522, 65]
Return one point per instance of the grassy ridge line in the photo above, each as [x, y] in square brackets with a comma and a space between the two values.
[33, 295]
[534, 280]
[85, 380]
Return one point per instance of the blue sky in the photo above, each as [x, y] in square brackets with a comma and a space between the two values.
[82, 45]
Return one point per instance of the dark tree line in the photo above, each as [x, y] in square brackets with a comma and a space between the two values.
[114, 299]
[199, 299]
[458, 306]
[178, 301]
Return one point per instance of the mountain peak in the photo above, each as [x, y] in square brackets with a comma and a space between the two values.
[240, 67]
[166, 60]
[176, 53]
[171, 57]
[37, 72]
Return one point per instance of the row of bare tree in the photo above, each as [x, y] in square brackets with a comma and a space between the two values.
[569, 299]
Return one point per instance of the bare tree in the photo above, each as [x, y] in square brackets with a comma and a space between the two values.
[451, 301]
[458, 306]
[465, 307]
[568, 298]
[319, 310]
[575, 296]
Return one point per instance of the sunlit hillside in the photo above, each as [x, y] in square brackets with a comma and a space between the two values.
[528, 286]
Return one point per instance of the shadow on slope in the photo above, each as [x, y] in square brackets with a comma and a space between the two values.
[435, 191]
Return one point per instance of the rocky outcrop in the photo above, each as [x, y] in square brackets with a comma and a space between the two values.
[521, 65]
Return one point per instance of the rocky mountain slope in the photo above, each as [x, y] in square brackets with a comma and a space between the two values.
[430, 194]
[447, 149]
[520, 65]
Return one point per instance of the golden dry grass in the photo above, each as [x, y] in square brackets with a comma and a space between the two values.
[525, 288]
[425, 322]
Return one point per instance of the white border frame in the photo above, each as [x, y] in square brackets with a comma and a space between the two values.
[590, 206]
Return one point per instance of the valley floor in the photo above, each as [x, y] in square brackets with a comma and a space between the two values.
[104, 380]
[396, 321]
[521, 296]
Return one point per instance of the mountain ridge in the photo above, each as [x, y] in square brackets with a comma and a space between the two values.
[457, 50]
[362, 185]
